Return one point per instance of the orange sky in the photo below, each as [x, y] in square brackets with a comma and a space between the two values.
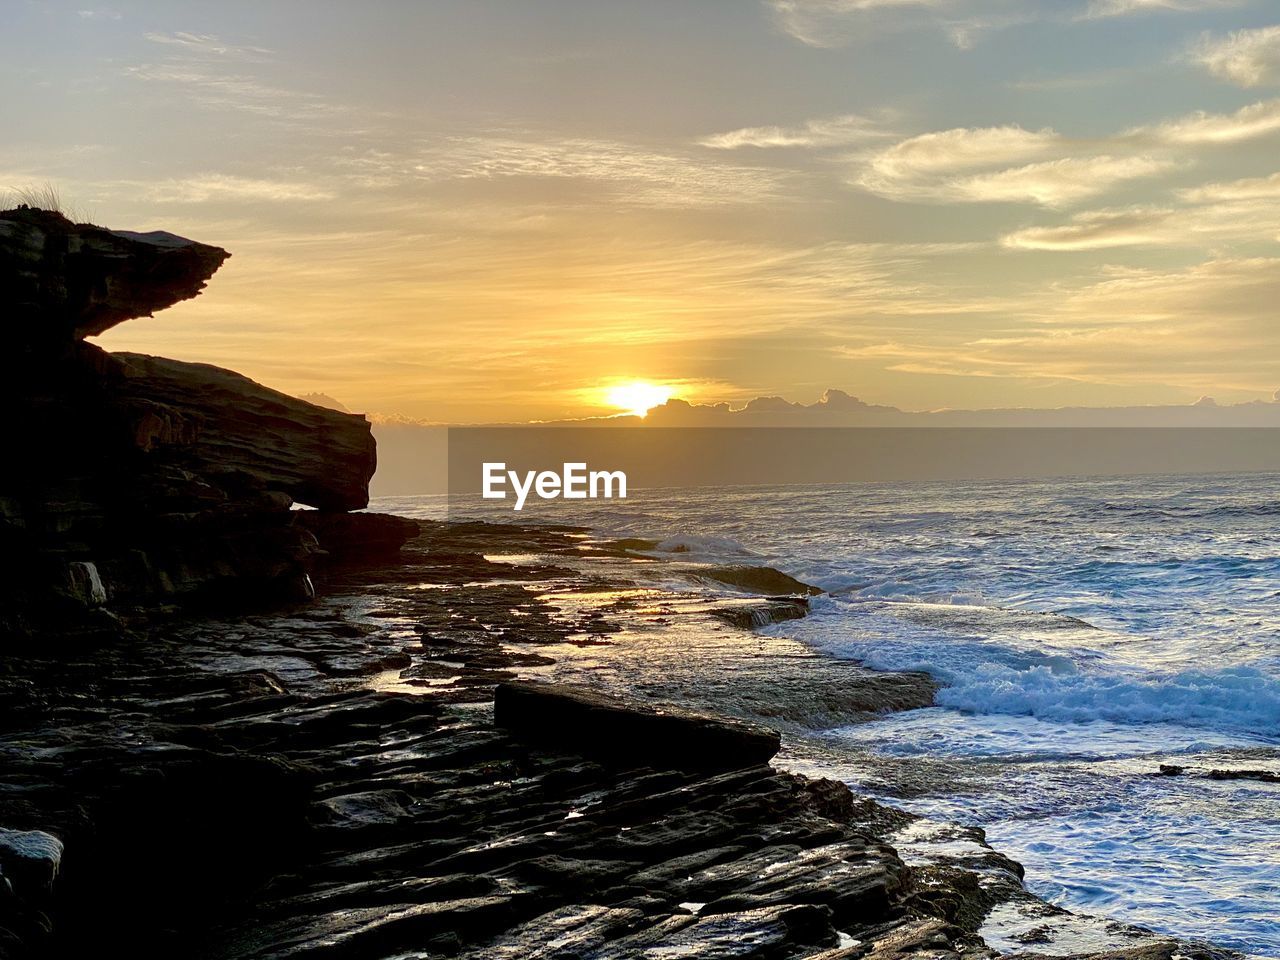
[476, 211]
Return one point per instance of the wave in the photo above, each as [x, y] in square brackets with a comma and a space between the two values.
[704, 546]
[994, 660]
[1241, 699]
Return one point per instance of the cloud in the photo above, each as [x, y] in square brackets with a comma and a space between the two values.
[1100, 9]
[1247, 58]
[1248, 123]
[1212, 215]
[948, 166]
[208, 45]
[1252, 188]
[222, 75]
[1010, 164]
[832, 131]
[1095, 230]
[1202, 329]
[220, 187]
[639, 175]
[834, 23]
[1057, 183]
[99, 14]
[1210, 326]
[964, 148]
[240, 92]
[826, 23]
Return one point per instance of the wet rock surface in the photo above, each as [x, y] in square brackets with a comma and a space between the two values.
[330, 782]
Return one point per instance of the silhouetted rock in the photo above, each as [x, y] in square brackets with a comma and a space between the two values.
[629, 733]
[128, 481]
[358, 537]
[226, 422]
[61, 280]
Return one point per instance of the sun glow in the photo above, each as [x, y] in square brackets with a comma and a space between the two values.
[637, 397]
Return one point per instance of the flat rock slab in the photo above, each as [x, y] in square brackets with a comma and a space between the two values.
[628, 733]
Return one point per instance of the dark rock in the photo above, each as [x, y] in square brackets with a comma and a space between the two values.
[757, 615]
[317, 456]
[61, 281]
[131, 481]
[1162, 950]
[859, 882]
[765, 581]
[1262, 776]
[358, 537]
[629, 733]
[762, 934]
[30, 860]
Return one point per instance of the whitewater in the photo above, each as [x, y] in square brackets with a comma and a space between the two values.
[1085, 631]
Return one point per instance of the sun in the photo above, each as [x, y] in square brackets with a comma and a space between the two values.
[637, 397]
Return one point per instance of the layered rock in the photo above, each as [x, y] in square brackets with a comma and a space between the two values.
[60, 280]
[129, 480]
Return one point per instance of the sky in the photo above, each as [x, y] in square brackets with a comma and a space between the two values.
[477, 211]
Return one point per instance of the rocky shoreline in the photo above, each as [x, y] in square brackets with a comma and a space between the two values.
[330, 781]
[236, 729]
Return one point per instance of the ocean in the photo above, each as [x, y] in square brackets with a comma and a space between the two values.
[1086, 632]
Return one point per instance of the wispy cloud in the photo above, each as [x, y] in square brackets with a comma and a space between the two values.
[1200, 329]
[826, 23]
[986, 165]
[1248, 123]
[951, 151]
[833, 23]
[1013, 165]
[204, 188]
[826, 132]
[1251, 188]
[224, 75]
[637, 175]
[231, 91]
[1096, 230]
[1101, 9]
[1247, 58]
[208, 45]
[1056, 183]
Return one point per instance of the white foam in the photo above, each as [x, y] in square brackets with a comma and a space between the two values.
[994, 661]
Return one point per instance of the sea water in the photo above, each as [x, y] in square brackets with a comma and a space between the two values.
[1085, 631]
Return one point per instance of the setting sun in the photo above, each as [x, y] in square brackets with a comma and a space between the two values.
[637, 397]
